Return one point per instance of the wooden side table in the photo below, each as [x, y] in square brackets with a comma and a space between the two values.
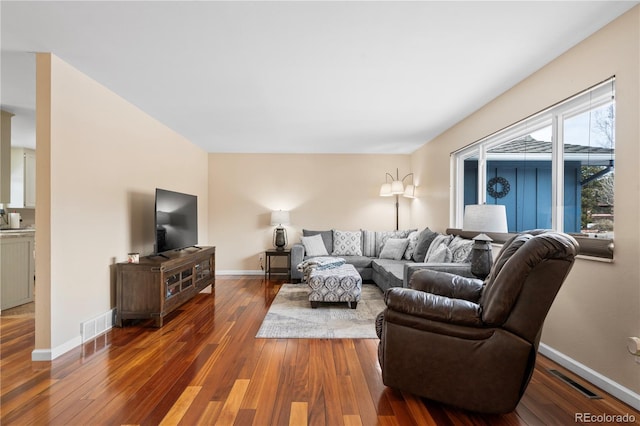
[284, 271]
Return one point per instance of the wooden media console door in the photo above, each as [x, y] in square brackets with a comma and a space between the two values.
[157, 285]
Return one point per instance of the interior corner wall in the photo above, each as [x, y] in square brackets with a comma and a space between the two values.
[321, 191]
[99, 161]
[598, 307]
[43, 202]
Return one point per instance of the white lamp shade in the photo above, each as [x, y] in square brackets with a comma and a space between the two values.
[485, 218]
[280, 217]
[385, 190]
[397, 187]
[410, 191]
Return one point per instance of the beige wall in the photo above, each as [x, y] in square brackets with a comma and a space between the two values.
[321, 192]
[99, 161]
[599, 305]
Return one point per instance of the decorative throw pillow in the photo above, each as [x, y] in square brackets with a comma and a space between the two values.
[460, 249]
[314, 246]
[394, 248]
[383, 236]
[347, 243]
[425, 238]
[439, 240]
[368, 243]
[441, 254]
[327, 237]
[411, 245]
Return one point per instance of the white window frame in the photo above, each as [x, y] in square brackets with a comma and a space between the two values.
[555, 115]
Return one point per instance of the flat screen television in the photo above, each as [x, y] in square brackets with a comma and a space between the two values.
[176, 220]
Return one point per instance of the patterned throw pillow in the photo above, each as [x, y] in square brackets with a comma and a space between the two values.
[439, 240]
[347, 243]
[441, 254]
[394, 248]
[314, 246]
[411, 246]
[368, 243]
[460, 249]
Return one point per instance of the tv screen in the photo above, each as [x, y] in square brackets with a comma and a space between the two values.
[176, 220]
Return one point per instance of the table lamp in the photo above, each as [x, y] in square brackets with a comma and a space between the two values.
[483, 218]
[279, 218]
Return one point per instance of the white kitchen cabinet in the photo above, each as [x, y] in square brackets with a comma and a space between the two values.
[23, 178]
[17, 268]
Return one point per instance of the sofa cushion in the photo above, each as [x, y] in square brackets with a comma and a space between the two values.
[358, 261]
[394, 267]
[394, 248]
[422, 246]
[347, 243]
[390, 271]
[314, 246]
[327, 237]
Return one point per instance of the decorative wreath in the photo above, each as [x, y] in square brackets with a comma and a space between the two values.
[496, 183]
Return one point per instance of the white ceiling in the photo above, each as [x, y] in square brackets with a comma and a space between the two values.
[294, 77]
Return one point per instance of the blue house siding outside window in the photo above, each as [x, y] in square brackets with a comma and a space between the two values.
[528, 201]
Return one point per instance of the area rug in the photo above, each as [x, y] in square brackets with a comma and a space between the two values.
[291, 316]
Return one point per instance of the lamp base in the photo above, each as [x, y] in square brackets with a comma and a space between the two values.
[481, 262]
[279, 238]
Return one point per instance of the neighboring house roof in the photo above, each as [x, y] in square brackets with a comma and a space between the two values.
[533, 146]
[528, 148]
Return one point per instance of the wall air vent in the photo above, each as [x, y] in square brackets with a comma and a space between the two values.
[96, 326]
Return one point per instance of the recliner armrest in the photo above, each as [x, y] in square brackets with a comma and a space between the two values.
[433, 307]
[446, 284]
[462, 269]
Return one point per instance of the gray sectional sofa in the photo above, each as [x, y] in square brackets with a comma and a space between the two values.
[449, 253]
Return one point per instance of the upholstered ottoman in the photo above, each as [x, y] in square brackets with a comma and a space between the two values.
[341, 284]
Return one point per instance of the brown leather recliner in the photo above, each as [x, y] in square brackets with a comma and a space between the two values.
[471, 344]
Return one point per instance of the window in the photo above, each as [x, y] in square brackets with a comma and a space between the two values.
[589, 147]
[553, 170]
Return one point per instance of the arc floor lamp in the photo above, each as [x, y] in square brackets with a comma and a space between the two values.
[396, 187]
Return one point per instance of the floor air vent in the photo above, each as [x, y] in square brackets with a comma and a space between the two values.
[577, 386]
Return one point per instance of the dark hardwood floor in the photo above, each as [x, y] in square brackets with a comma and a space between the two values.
[206, 367]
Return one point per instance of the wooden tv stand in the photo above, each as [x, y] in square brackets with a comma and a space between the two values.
[157, 285]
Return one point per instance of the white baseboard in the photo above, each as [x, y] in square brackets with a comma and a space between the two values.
[240, 272]
[51, 354]
[88, 330]
[615, 389]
